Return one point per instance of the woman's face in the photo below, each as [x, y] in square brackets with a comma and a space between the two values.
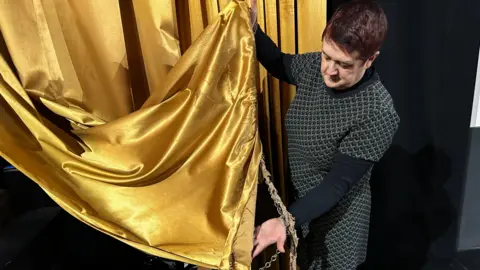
[341, 70]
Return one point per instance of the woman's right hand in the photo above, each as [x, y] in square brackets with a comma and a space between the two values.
[253, 13]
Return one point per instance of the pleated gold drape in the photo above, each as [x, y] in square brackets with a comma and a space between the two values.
[296, 26]
[164, 157]
[106, 64]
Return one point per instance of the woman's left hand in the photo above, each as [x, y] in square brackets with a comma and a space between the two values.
[270, 232]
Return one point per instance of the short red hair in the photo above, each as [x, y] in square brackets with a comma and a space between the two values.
[357, 26]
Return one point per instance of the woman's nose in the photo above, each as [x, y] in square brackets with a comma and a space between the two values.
[331, 70]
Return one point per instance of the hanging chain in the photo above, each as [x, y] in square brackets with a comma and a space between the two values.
[269, 263]
[275, 256]
[287, 220]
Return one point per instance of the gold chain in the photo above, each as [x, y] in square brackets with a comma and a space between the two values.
[269, 263]
[286, 217]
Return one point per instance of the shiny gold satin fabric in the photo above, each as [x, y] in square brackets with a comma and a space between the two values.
[175, 178]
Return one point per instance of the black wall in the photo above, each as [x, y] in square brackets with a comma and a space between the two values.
[428, 63]
[469, 234]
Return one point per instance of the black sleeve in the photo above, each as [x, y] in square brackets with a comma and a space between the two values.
[345, 173]
[275, 62]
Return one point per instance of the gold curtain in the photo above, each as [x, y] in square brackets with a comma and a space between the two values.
[296, 27]
[169, 165]
[112, 66]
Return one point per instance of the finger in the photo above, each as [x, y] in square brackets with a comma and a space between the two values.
[258, 250]
[281, 245]
[257, 236]
[253, 4]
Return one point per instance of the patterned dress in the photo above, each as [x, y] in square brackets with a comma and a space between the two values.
[322, 122]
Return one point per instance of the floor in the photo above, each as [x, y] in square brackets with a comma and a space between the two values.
[467, 260]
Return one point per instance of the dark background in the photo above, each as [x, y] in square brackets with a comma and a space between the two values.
[469, 235]
[428, 63]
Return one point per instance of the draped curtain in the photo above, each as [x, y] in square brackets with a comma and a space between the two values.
[296, 27]
[105, 60]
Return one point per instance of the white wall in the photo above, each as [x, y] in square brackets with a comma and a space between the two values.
[476, 100]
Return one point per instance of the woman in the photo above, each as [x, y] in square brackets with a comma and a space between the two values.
[339, 125]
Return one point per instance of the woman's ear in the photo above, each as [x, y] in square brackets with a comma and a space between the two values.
[372, 58]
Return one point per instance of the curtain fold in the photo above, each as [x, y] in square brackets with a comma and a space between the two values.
[176, 177]
[296, 27]
[119, 76]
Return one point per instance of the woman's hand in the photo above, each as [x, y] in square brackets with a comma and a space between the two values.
[253, 13]
[270, 232]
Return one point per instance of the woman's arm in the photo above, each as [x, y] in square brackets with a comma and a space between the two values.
[268, 54]
[358, 151]
[275, 62]
[346, 172]
[362, 147]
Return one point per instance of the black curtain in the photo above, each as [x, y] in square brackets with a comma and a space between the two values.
[428, 63]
